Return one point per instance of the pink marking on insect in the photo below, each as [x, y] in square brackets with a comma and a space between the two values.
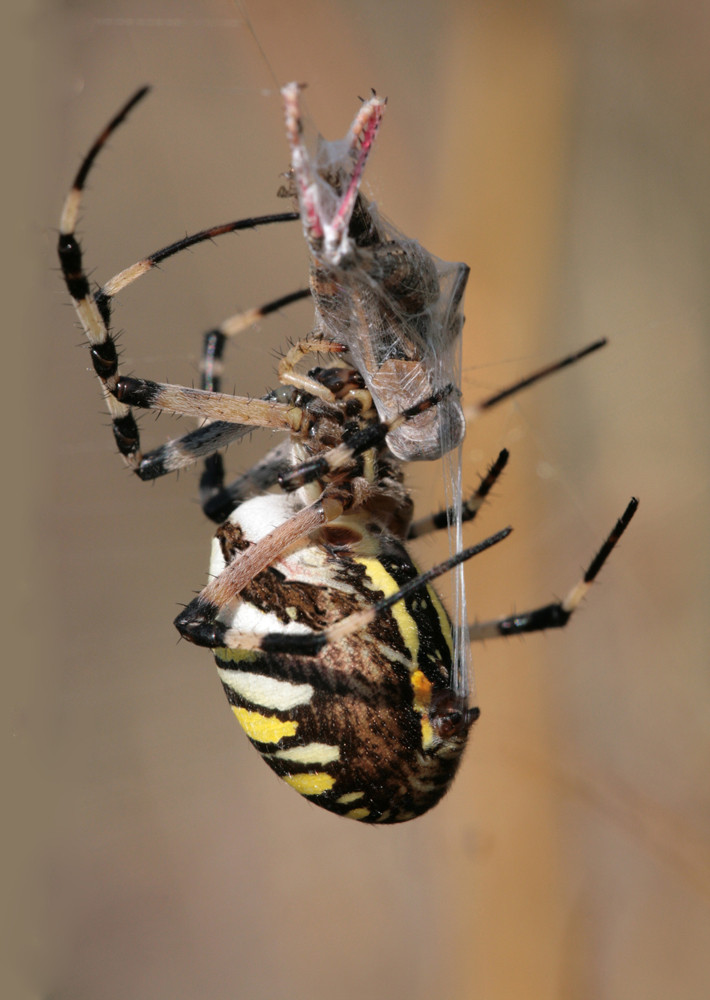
[326, 219]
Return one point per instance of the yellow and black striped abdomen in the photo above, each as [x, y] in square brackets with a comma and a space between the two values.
[369, 728]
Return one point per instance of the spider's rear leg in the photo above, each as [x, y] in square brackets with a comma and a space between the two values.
[558, 613]
[469, 508]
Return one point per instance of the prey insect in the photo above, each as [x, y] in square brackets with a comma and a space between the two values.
[334, 650]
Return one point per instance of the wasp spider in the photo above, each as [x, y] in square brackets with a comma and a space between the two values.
[334, 651]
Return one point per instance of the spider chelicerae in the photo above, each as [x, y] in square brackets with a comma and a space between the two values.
[334, 650]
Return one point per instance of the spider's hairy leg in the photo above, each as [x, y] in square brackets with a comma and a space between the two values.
[94, 320]
[469, 508]
[557, 614]
[184, 401]
[179, 453]
[474, 411]
[94, 312]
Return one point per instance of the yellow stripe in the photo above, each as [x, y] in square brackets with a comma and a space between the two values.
[311, 753]
[444, 621]
[263, 728]
[427, 733]
[235, 655]
[349, 797]
[311, 784]
[384, 581]
[360, 813]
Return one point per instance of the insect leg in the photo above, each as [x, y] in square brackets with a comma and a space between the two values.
[325, 225]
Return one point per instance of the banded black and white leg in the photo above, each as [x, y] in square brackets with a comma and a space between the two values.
[93, 320]
[469, 508]
[558, 613]
[211, 436]
[93, 308]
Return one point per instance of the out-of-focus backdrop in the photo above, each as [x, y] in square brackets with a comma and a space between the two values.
[562, 151]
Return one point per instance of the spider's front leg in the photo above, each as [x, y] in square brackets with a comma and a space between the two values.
[93, 308]
[95, 317]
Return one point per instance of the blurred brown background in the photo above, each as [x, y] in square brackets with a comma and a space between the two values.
[562, 150]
